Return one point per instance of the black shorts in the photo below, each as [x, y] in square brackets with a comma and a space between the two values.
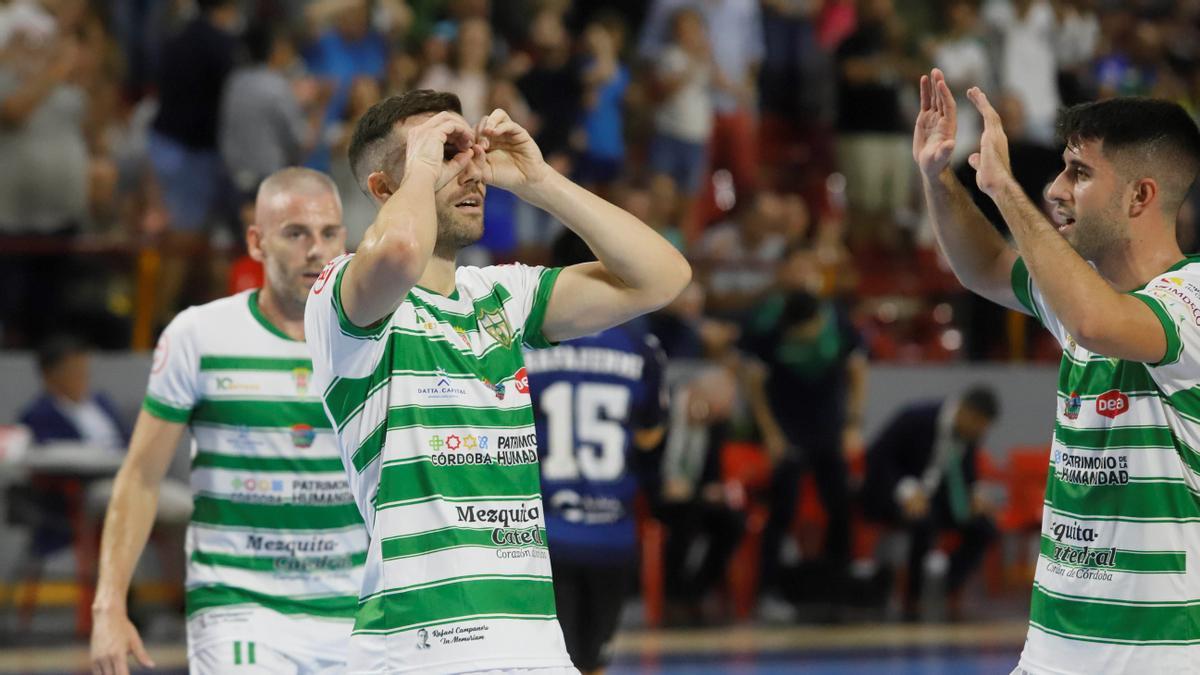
[589, 600]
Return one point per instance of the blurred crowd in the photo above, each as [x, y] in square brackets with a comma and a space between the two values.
[769, 140]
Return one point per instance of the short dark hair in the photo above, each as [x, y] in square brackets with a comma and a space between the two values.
[260, 39]
[1161, 132]
[982, 400]
[56, 349]
[381, 118]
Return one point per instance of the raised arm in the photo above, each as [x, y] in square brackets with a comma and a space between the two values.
[979, 256]
[398, 245]
[127, 525]
[638, 271]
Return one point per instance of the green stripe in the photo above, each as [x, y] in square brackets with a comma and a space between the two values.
[165, 411]
[370, 449]
[328, 606]
[260, 414]
[214, 511]
[283, 563]
[405, 482]
[1134, 500]
[1097, 377]
[519, 597]
[261, 363]
[1093, 620]
[250, 653]
[1139, 562]
[213, 460]
[537, 314]
[348, 327]
[263, 321]
[1103, 438]
[405, 352]
[1170, 329]
[440, 540]
[237, 653]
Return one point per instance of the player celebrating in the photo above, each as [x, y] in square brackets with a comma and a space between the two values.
[422, 371]
[1117, 580]
[276, 544]
[599, 403]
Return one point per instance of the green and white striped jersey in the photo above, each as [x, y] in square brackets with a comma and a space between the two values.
[432, 412]
[1117, 587]
[276, 544]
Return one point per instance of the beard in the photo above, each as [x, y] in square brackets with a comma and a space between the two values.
[290, 289]
[1095, 236]
[456, 231]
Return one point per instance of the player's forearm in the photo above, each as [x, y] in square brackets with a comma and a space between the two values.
[1077, 294]
[126, 529]
[394, 252]
[646, 263]
[972, 246]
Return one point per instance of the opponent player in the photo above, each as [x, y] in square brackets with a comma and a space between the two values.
[422, 371]
[600, 405]
[276, 544]
[1117, 582]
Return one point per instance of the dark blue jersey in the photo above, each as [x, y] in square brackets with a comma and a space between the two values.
[589, 397]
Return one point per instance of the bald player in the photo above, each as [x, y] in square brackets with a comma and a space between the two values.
[276, 544]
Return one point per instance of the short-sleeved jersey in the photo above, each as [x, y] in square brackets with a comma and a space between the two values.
[589, 396]
[1117, 586]
[275, 545]
[432, 412]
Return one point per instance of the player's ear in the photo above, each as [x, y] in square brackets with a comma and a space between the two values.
[254, 237]
[1145, 196]
[380, 186]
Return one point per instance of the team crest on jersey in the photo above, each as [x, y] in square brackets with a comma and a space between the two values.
[496, 325]
[303, 435]
[300, 377]
[1072, 406]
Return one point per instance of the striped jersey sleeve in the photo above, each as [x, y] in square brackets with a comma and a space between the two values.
[1174, 298]
[339, 348]
[173, 390]
[1031, 299]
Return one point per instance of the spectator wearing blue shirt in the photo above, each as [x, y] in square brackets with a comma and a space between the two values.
[605, 81]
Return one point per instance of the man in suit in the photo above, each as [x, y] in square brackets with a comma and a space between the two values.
[68, 409]
[921, 475]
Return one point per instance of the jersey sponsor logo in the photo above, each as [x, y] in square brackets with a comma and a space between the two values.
[256, 485]
[323, 278]
[1091, 469]
[443, 389]
[1072, 406]
[462, 336]
[1112, 403]
[290, 545]
[161, 351]
[229, 384]
[459, 450]
[516, 457]
[518, 536]
[296, 491]
[521, 378]
[1084, 556]
[244, 440]
[1176, 289]
[438, 443]
[303, 435]
[495, 323]
[300, 556]
[585, 509]
[517, 442]
[1072, 532]
[513, 515]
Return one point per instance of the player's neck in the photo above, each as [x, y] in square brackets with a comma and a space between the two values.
[439, 275]
[1134, 264]
[283, 315]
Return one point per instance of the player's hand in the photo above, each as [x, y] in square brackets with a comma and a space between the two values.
[992, 170]
[933, 136]
[113, 639]
[511, 159]
[444, 144]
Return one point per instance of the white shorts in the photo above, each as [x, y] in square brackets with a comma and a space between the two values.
[241, 657]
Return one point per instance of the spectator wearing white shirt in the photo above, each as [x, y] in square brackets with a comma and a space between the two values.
[1028, 63]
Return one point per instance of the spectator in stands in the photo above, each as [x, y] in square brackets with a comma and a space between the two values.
[605, 80]
[693, 502]
[922, 476]
[805, 380]
[962, 55]
[183, 144]
[1133, 66]
[268, 120]
[735, 33]
[1075, 48]
[358, 210]
[683, 117]
[345, 47]
[739, 257]
[873, 145]
[1028, 31]
[468, 75]
[68, 409]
